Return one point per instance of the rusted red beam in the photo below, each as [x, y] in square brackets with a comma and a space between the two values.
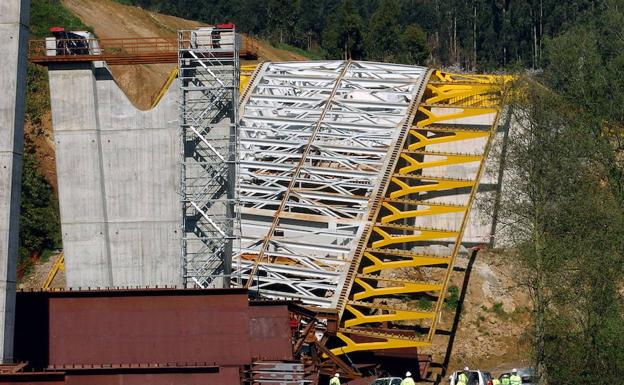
[121, 51]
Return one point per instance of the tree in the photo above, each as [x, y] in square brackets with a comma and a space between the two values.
[566, 229]
[343, 35]
[383, 38]
[282, 19]
[414, 45]
[39, 217]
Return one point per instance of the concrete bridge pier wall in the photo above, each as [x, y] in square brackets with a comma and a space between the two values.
[118, 175]
[14, 16]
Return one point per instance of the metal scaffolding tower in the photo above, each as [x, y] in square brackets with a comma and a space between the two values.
[208, 64]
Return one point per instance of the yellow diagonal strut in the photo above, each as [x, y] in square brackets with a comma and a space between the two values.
[457, 112]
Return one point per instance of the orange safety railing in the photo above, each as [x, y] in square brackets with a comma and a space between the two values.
[117, 51]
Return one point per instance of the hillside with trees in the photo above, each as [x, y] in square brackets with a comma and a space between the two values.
[472, 34]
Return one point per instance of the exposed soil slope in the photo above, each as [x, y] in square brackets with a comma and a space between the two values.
[142, 83]
[494, 326]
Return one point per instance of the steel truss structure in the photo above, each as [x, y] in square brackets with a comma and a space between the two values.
[208, 68]
[316, 142]
[395, 297]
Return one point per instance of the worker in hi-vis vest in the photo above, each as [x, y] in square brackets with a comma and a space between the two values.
[462, 378]
[335, 380]
[506, 380]
[515, 379]
[408, 379]
[496, 381]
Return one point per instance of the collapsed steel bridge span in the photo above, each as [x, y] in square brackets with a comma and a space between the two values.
[356, 183]
[344, 185]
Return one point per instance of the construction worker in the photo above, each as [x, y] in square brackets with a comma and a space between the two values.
[505, 379]
[515, 379]
[408, 379]
[462, 378]
[496, 381]
[335, 380]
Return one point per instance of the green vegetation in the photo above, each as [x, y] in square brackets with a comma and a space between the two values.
[563, 207]
[40, 228]
[38, 96]
[483, 34]
[452, 297]
[51, 13]
[312, 55]
[424, 303]
[39, 216]
[497, 309]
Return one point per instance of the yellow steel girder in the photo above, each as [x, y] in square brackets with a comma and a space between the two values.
[431, 209]
[447, 160]
[423, 235]
[410, 261]
[435, 185]
[397, 315]
[424, 141]
[401, 287]
[385, 343]
[435, 117]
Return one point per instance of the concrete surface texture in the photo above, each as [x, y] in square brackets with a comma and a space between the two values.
[14, 42]
[118, 173]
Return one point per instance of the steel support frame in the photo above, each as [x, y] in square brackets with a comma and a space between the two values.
[208, 67]
[427, 205]
[314, 140]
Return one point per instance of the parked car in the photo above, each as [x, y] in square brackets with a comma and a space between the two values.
[475, 377]
[527, 375]
[387, 381]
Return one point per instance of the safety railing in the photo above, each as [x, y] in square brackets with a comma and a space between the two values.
[139, 50]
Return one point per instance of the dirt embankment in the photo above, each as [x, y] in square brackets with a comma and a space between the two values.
[142, 83]
[494, 325]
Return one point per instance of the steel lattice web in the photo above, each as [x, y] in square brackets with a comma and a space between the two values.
[315, 140]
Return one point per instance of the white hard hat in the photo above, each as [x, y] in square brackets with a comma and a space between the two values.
[466, 368]
[408, 374]
[514, 370]
[337, 375]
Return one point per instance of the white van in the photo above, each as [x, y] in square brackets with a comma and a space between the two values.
[475, 377]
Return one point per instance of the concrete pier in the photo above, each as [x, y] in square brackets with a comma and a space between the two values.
[119, 179]
[13, 45]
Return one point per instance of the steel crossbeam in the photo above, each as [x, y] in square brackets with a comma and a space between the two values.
[314, 137]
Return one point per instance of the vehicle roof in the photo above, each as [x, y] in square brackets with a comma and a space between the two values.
[471, 370]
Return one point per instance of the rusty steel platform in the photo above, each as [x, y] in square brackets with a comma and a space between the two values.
[123, 51]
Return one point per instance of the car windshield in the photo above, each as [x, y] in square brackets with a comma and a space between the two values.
[473, 377]
[387, 381]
